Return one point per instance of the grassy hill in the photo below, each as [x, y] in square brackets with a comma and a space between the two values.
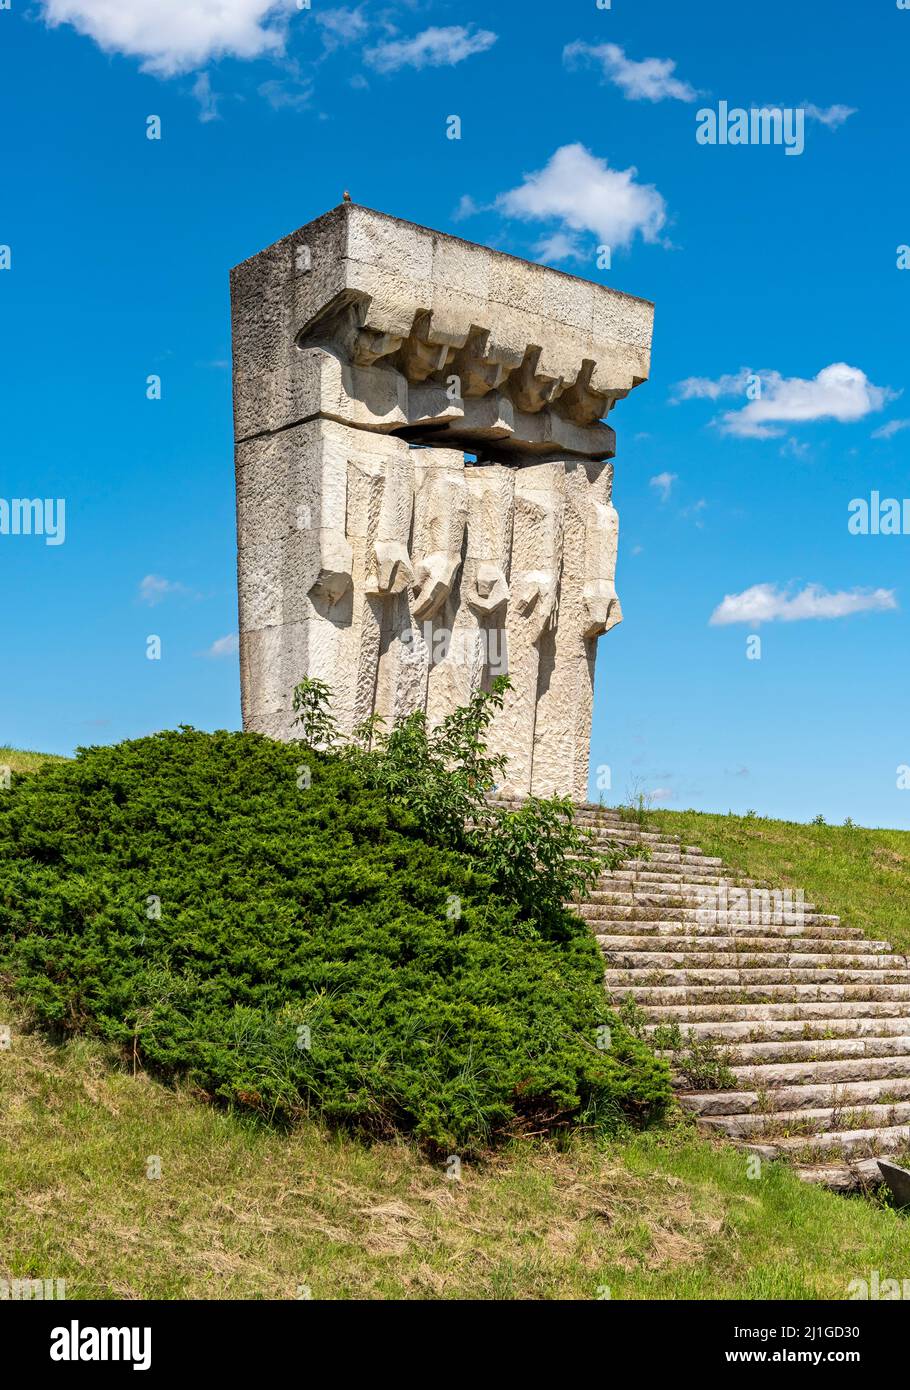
[243, 1210]
[862, 875]
[240, 1211]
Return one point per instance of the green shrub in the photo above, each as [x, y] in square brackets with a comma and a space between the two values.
[535, 854]
[257, 920]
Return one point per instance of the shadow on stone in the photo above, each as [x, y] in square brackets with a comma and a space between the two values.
[898, 1180]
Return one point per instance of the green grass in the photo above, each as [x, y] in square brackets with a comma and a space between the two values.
[861, 875]
[243, 1212]
[20, 760]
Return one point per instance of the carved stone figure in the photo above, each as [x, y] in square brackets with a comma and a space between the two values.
[423, 494]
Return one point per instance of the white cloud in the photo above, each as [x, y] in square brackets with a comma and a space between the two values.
[560, 246]
[291, 94]
[660, 794]
[343, 26]
[649, 80]
[207, 99]
[831, 116]
[695, 388]
[586, 195]
[434, 48]
[154, 587]
[467, 207]
[664, 484]
[839, 392]
[694, 512]
[224, 646]
[767, 603]
[889, 430]
[173, 36]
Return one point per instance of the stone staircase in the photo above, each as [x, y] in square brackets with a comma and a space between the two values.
[814, 1017]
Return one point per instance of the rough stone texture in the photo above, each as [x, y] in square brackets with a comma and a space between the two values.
[370, 356]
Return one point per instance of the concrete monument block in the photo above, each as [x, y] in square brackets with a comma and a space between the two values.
[423, 497]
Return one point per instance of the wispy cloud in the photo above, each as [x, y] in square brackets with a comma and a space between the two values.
[695, 388]
[293, 92]
[207, 99]
[224, 646]
[342, 26]
[889, 430]
[651, 79]
[694, 512]
[434, 48]
[154, 588]
[768, 603]
[839, 392]
[663, 482]
[831, 116]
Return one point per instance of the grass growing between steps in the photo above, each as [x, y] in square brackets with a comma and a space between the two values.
[241, 1212]
[861, 875]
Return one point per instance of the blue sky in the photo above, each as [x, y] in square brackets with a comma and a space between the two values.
[759, 262]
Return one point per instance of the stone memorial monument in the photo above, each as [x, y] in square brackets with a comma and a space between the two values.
[424, 500]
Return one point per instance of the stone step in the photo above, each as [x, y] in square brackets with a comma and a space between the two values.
[761, 993]
[795, 965]
[697, 871]
[658, 863]
[843, 1177]
[777, 1124]
[799, 1052]
[650, 840]
[652, 912]
[805, 1011]
[696, 907]
[860, 1143]
[696, 895]
[620, 824]
[803, 1030]
[699, 977]
[771, 1075]
[606, 926]
[627, 877]
[663, 931]
[811, 1096]
[654, 850]
[798, 948]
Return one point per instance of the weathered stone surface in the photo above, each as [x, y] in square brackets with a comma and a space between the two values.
[369, 355]
[898, 1179]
